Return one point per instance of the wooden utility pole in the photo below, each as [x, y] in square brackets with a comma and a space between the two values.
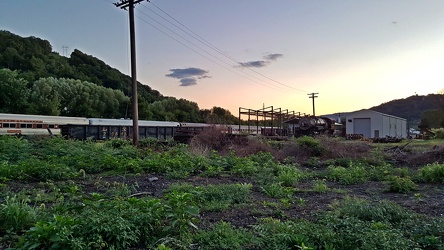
[123, 5]
[313, 96]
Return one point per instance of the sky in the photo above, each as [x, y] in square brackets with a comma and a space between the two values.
[255, 53]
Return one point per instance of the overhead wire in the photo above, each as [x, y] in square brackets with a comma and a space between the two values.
[211, 46]
[207, 43]
[172, 31]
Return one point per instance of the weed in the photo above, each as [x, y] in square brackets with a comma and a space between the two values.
[16, 214]
[181, 212]
[433, 173]
[401, 184]
[224, 236]
[320, 186]
[276, 190]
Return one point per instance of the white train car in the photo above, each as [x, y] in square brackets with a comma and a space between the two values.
[19, 124]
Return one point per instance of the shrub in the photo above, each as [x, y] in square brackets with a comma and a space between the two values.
[383, 211]
[336, 148]
[311, 145]
[401, 184]
[433, 173]
[13, 149]
[224, 236]
[354, 174]
[439, 133]
[16, 214]
[276, 190]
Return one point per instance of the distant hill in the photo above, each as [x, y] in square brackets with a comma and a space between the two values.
[412, 108]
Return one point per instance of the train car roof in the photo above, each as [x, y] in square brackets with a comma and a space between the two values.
[193, 124]
[124, 122]
[60, 120]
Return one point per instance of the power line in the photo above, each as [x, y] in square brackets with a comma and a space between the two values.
[229, 69]
[208, 44]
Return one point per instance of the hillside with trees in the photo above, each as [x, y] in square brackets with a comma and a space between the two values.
[426, 110]
[36, 80]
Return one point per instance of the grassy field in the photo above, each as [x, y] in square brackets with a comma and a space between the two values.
[221, 193]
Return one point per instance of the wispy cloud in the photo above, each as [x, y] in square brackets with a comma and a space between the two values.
[272, 57]
[261, 63]
[188, 76]
[253, 64]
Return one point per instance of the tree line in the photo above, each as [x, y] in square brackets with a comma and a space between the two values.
[36, 80]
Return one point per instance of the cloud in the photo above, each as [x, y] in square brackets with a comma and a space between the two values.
[253, 64]
[188, 82]
[272, 57]
[188, 76]
[262, 63]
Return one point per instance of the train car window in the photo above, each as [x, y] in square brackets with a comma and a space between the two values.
[25, 125]
[51, 126]
[39, 125]
[9, 125]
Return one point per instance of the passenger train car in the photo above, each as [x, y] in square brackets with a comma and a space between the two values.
[18, 124]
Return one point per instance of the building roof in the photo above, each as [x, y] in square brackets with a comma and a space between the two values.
[369, 110]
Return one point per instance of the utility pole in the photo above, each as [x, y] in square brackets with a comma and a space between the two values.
[123, 5]
[313, 96]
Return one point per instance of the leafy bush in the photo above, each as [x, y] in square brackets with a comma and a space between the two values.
[401, 184]
[33, 169]
[13, 149]
[276, 190]
[383, 211]
[311, 145]
[439, 133]
[433, 173]
[117, 143]
[16, 214]
[224, 236]
[353, 174]
[216, 197]
[55, 234]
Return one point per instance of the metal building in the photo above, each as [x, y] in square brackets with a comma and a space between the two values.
[373, 124]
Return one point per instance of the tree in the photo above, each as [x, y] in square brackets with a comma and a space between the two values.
[14, 92]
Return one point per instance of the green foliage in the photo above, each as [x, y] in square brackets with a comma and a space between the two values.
[289, 176]
[383, 211]
[225, 236]
[276, 190]
[439, 133]
[55, 234]
[354, 174]
[433, 173]
[320, 186]
[14, 92]
[275, 234]
[181, 212]
[216, 197]
[401, 184]
[16, 215]
[13, 149]
[311, 145]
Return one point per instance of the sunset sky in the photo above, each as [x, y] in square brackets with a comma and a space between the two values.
[250, 53]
